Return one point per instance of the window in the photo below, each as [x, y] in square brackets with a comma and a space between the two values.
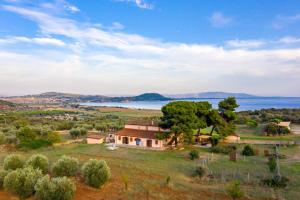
[119, 137]
[156, 142]
[131, 139]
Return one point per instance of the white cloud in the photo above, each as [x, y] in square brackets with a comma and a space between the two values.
[218, 20]
[95, 60]
[139, 3]
[116, 26]
[39, 41]
[245, 43]
[289, 40]
[282, 21]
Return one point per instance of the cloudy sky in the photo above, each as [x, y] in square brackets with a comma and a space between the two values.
[122, 47]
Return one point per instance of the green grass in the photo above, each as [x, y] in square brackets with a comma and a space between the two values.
[151, 168]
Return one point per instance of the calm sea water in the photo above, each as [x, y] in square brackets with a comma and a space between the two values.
[245, 104]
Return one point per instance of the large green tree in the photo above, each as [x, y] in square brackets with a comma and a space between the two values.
[202, 112]
[227, 109]
[180, 117]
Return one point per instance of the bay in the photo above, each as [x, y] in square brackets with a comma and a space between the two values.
[245, 104]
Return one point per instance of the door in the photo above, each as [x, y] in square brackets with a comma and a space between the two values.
[138, 141]
[149, 143]
[125, 140]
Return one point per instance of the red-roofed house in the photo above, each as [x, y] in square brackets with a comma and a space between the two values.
[140, 136]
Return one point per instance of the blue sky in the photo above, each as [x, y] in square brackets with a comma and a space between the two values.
[120, 47]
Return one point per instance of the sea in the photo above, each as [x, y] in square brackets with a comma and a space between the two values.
[245, 103]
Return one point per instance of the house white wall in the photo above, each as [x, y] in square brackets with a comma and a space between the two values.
[143, 143]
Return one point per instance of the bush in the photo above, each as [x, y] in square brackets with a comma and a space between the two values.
[194, 154]
[252, 123]
[3, 173]
[200, 171]
[226, 149]
[75, 133]
[83, 131]
[275, 183]
[21, 182]
[248, 151]
[34, 144]
[38, 162]
[13, 162]
[272, 163]
[53, 137]
[26, 134]
[66, 166]
[2, 138]
[95, 172]
[234, 190]
[56, 188]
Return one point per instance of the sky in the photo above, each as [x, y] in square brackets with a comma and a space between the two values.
[128, 47]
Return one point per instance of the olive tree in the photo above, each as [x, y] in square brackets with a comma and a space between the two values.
[13, 162]
[38, 162]
[95, 172]
[3, 173]
[21, 182]
[66, 166]
[60, 188]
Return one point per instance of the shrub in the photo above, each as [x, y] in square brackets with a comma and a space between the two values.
[34, 144]
[13, 162]
[60, 188]
[53, 137]
[234, 190]
[3, 173]
[21, 182]
[26, 134]
[214, 140]
[75, 133]
[252, 123]
[83, 131]
[168, 180]
[200, 171]
[2, 138]
[125, 181]
[272, 163]
[226, 149]
[38, 162]
[276, 183]
[248, 151]
[194, 154]
[66, 166]
[95, 172]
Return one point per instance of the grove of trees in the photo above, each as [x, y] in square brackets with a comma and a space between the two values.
[25, 179]
[184, 117]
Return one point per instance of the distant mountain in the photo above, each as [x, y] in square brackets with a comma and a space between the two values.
[73, 98]
[217, 95]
